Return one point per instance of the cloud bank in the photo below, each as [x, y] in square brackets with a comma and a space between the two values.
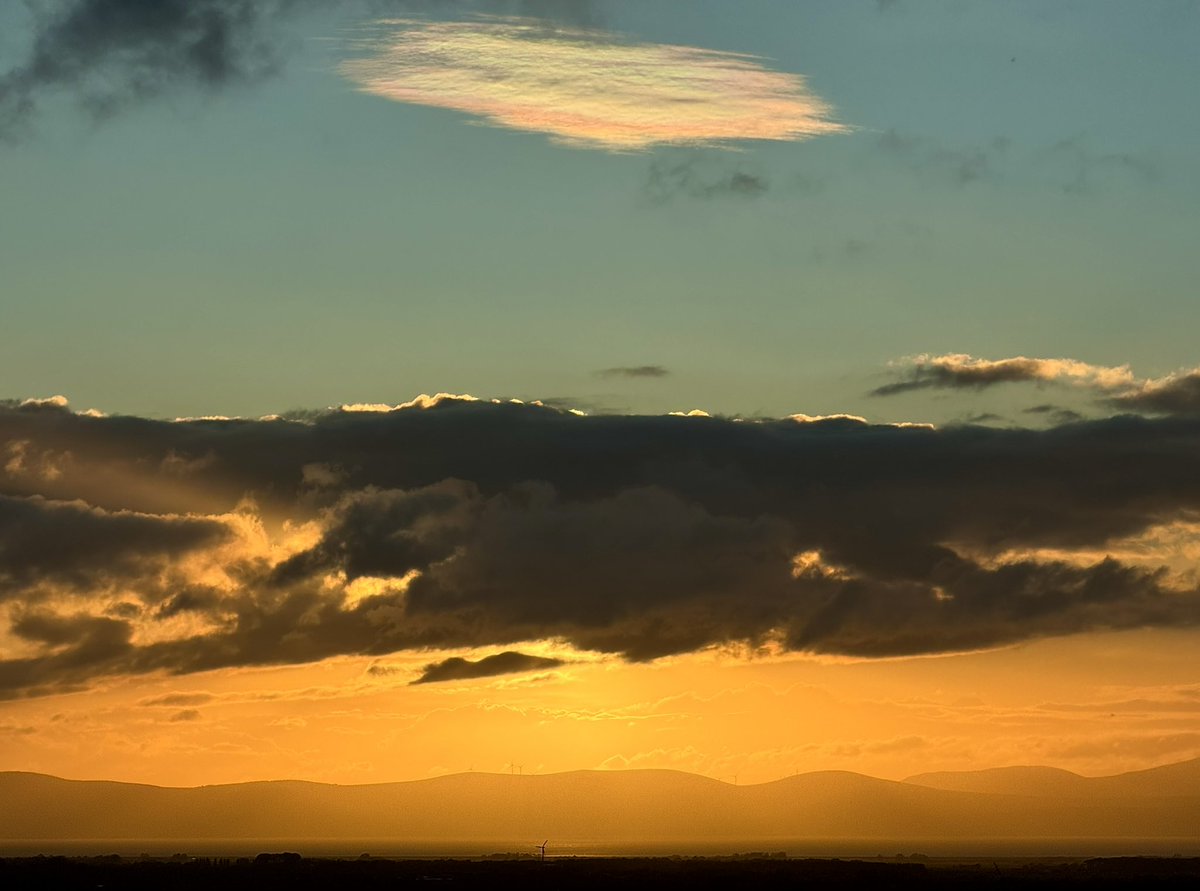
[586, 88]
[130, 545]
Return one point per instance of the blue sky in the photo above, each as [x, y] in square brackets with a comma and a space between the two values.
[1017, 179]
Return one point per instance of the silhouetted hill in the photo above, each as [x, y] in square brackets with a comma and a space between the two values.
[1006, 781]
[615, 806]
[1171, 780]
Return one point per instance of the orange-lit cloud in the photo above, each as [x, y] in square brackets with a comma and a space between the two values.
[185, 547]
[585, 88]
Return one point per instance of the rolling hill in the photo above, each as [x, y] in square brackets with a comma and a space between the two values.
[616, 806]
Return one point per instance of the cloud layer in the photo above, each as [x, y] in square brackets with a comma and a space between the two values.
[586, 88]
[129, 545]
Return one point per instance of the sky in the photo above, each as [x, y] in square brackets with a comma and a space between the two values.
[393, 388]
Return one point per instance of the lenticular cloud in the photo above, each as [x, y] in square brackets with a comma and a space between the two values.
[584, 88]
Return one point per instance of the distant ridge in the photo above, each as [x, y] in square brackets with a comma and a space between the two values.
[1181, 778]
[614, 806]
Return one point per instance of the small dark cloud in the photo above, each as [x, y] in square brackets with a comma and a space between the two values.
[187, 714]
[458, 669]
[125, 610]
[923, 376]
[701, 178]
[634, 371]
[178, 699]
[379, 670]
[185, 598]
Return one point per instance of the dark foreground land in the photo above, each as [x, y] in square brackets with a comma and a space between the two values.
[289, 871]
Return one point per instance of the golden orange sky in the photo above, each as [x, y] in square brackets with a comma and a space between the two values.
[1095, 704]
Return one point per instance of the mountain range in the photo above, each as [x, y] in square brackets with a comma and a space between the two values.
[615, 806]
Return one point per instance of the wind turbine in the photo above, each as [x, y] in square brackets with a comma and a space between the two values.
[542, 848]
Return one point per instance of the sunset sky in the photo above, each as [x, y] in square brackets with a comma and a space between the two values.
[393, 388]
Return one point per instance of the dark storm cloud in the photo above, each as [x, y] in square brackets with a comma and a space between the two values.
[634, 371]
[111, 53]
[70, 543]
[458, 669]
[478, 524]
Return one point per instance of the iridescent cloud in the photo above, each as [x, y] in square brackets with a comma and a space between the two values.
[584, 88]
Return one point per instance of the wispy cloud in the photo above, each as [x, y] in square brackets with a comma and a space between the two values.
[587, 88]
[1082, 166]
[961, 371]
[691, 177]
[959, 165]
[1177, 393]
[110, 53]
